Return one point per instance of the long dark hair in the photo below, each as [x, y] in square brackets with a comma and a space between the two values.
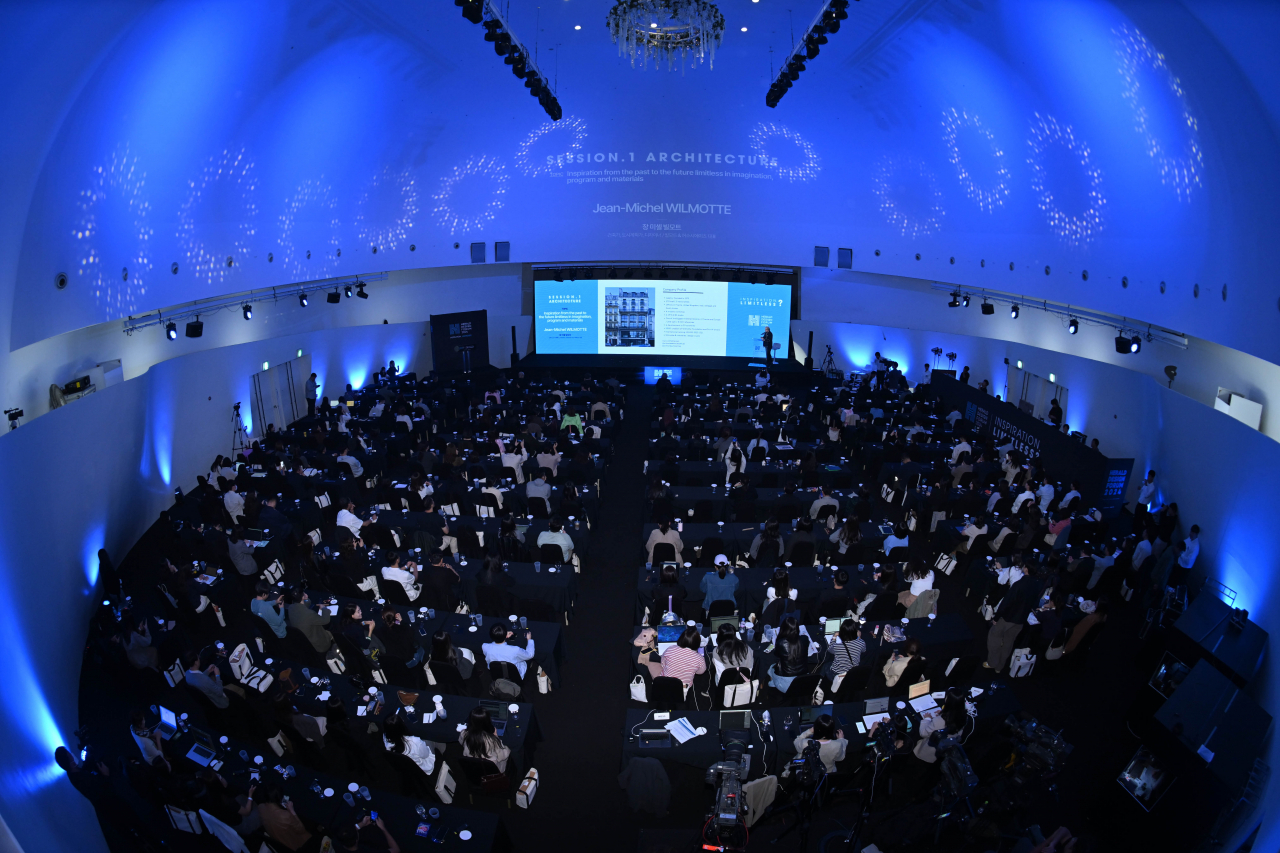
[480, 736]
[395, 731]
[669, 576]
[730, 649]
[442, 648]
[781, 582]
[492, 568]
[789, 629]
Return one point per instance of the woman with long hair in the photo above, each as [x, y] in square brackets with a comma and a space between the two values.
[848, 539]
[951, 720]
[792, 650]
[731, 652]
[479, 740]
[735, 462]
[668, 595]
[664, 533]
[830, 740]
[396, 738]
[443, 650]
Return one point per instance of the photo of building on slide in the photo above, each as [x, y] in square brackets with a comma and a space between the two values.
[628, 317]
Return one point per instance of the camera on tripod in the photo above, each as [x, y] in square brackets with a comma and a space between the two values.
[727, 776]
[1043, 751]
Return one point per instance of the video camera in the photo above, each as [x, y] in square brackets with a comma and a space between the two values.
[1043, 751]
[727, 776]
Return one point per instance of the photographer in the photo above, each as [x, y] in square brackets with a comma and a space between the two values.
[831, 743]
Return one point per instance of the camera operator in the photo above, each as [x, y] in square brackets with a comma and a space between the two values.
[831, 743]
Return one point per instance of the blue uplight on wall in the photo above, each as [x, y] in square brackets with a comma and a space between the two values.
[95, 539]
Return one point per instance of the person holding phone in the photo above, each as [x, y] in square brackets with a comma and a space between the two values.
[347, 835]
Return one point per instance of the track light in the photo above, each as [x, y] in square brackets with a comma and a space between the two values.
[302, 299]
[1074, 326]
[334, 298]
[247, 310]
[955, 301]
[965, 300]
[1014, 310]
[171, 331]
[1135, 344]
[360, 294]
[808, 49]
[347, 291]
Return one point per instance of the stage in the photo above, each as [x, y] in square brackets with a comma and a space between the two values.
[631, 367]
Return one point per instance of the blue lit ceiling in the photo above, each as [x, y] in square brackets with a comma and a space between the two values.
[258, 143]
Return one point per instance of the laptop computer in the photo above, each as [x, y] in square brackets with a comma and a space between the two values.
[832, 627]
[654, 738]
[201, 754]
[878, 706]
[915, 691]
[168, 726]
[667, 636]
[497, 713]
[735, 721]
[810, 713]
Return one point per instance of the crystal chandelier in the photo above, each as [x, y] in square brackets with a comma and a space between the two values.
[691, 29]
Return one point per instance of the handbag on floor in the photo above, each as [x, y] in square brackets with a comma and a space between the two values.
[945, 564]
[741, 695]
[638, 691]
[544, 681]
[1023, 663]
[528, 788]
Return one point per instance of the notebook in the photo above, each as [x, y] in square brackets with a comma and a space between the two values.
[917, 690]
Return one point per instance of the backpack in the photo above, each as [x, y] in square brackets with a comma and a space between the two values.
[504, 690]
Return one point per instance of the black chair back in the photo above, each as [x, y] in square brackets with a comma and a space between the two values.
[667, 694]
[664, 552]
[802, 554]
[767, 556]
[801, 690]
[538, 508]
[552, 553]
[703, 513]
[721, 608]
[493, 601]
[485, 778]
[855, 681]
[448, 678]
[393, 592]
[711, 546]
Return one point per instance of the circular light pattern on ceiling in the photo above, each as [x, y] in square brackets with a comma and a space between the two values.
[889, 189]
[528, 163]
[1180, 171]
[446, 211]
[121, 181]
[764, 139]
[314, 203]
[388, 236]
[1074, 229]
[988, 196]
[235, 171]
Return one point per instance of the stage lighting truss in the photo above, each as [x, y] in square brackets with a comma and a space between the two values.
[826, 22]
[1130, 334]
[244, 302]
[513, 52]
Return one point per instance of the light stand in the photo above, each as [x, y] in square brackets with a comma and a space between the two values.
[828, 363]
[239, 441]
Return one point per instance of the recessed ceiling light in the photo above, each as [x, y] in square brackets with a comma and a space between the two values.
[578, 27]
[744, 29]
[653, 26]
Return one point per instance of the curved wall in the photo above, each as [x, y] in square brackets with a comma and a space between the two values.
[1126, 139]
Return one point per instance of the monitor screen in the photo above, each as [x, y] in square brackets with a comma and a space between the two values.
[651, 317]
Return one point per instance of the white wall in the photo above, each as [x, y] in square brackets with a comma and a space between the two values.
[410, 296]
[911, 304]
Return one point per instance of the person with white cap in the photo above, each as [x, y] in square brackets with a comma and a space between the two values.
[720, 585]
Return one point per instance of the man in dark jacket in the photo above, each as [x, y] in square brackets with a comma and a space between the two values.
[1011, 616]
[309, 622]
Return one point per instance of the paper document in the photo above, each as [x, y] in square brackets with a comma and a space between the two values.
[333, 610]
[681, 730]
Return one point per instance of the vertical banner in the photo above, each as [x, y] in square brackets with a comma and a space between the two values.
[460, 342]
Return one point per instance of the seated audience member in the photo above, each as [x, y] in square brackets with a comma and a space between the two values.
[719, 585]
[479, 740]
[310, 622]
[668, 596]
[347, 836]
[443, 650]
[266, 610]
[730, 652]
[683, 661]
[897, 663]
[208, 679]
[396, 738]
[846, 648]
[664, 532]
[407, 577]
[281, 822]
[498, 649]
[830, 740]
[538, 487]
[555, 533]
[792, 651]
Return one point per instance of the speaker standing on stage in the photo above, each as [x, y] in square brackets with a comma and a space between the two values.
[767, 337]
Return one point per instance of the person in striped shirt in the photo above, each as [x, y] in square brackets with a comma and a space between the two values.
[846, 648]
[684, 660]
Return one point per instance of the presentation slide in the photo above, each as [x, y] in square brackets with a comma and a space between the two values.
[637, 317]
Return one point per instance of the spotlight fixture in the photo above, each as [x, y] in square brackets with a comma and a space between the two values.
[1135, 344]
[513, 53]
[360, 290]
[1014, 310]
[965, 300]
[247, 311]
[955, 301]
[827, 21]
[195, 328]
[334, 298]
[1074, 326]
[302, 299]
[171, 331]
[346, 291]
[987, 307]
